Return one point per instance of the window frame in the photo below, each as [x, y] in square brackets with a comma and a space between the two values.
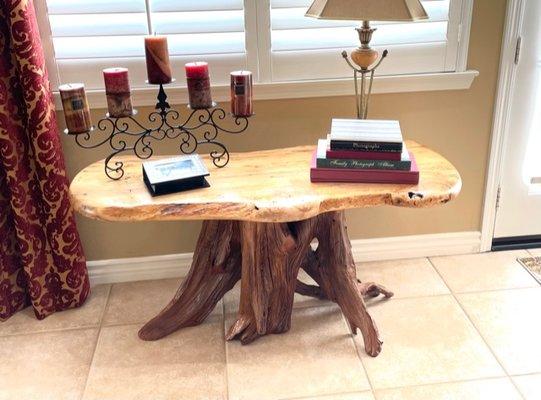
[259, 60]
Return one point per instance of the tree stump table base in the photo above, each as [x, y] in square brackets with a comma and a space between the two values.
[266, 257]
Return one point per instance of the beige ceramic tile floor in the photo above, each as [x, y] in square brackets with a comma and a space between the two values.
[460, 327]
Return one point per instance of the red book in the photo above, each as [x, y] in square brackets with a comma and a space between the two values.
[364, 175]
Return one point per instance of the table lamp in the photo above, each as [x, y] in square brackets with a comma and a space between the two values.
[365, 57]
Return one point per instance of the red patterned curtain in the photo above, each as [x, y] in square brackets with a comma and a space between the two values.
[41, 258]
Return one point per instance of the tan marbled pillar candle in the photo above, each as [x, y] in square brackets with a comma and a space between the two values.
[157, 57]
[76, 110]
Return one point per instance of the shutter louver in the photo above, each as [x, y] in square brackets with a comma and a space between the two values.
[281, 45]
[104, 33]
[298, 42]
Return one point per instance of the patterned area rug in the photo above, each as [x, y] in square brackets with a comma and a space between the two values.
[533, 266]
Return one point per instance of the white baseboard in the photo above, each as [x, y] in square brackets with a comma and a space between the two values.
[139, 268]
[437, 244]
[390, 248]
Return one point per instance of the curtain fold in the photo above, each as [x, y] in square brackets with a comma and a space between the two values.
[41, 258]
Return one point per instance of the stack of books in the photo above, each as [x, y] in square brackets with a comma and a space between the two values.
[364, 151]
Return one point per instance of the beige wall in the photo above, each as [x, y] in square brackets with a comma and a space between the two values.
[455, 123]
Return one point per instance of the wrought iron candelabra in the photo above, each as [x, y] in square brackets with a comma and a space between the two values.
[126, 134]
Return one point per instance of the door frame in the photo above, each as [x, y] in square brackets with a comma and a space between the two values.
[502, 114]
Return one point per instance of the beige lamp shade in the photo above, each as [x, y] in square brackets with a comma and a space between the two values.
[368, 10]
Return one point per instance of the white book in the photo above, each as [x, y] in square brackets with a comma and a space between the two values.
[366, 130]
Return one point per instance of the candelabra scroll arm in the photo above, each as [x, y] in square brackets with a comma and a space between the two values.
[83, 138]
[142, 147]
[189, 142]
[117, 172]
[122, 127]
[219, 158]
[175, 116]
[241, 122]
[160, 130]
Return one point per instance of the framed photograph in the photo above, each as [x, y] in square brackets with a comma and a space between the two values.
[175, 174]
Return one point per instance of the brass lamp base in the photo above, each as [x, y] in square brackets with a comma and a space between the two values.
[364, 56]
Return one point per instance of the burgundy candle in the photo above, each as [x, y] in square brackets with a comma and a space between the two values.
[197, 75]
[241, 93]
[117, 90]
[157, 57]
[76, 110]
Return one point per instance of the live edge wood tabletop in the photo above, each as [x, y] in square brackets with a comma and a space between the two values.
[261, 214]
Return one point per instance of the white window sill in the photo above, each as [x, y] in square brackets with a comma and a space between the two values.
[302, 89]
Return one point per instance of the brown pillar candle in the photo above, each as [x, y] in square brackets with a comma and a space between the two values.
[241, 93]
[157, 57]
[117, 90]
[76, 110]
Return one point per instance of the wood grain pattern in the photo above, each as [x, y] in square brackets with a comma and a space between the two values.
[216, 267]
[267, 257]
[261, 186]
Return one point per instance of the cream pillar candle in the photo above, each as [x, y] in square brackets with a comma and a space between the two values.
[76, 110]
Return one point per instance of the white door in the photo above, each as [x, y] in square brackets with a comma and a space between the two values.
[519, 205]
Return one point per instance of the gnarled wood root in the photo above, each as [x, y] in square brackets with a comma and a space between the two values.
[267, 257]
[215, 270]
[267, 283]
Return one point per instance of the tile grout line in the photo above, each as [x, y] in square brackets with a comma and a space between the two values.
[52, 330]
[225, 350]
[528, 374]
[480, 334]
[299, 307]
[438, 383]
[499, 290]
[356, 349]
[105, 308]
[320, 396]
[352, 339]
[534, 285]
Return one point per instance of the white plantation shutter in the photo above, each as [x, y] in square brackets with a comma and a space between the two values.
[306, 48]
[272, 38]
[90, 35]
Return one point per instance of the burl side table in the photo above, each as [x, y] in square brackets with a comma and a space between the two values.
[260, 216]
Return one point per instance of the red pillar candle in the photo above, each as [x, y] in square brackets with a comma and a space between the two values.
[117, 90]
[76, 110]
[197, 75]
[241, 93]
[157, 57]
